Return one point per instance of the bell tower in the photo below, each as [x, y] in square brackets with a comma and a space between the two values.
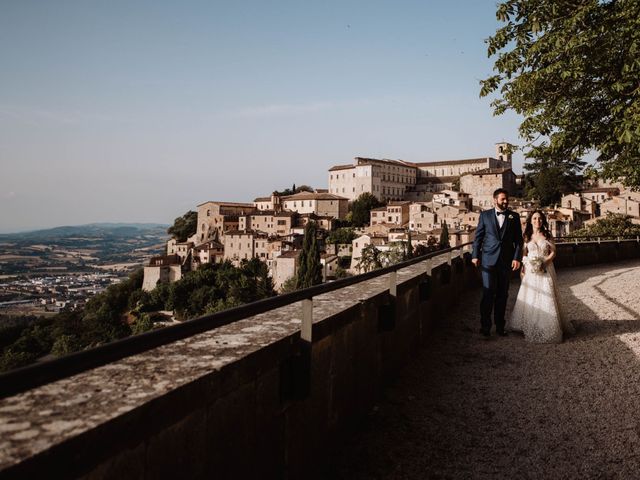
[503, 153]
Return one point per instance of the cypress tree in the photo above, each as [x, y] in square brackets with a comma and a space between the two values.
[409, 245]
[309, 267]
[444, 236]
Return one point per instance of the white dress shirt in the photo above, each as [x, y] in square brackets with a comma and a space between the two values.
[500, 217]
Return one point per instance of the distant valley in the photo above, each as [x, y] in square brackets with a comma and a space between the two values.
[47, 271]
[80, 248]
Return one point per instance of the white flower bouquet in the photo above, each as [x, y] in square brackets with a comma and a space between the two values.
[535, 263]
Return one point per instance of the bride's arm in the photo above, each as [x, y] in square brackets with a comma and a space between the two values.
[552, 254]
[525, 252]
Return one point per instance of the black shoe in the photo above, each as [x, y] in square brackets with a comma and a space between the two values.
[502, 332]
[485, 333]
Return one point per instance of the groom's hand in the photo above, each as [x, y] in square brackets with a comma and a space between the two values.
[475, 262]
[515, 265]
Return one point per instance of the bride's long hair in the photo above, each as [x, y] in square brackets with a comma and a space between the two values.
[544, 228]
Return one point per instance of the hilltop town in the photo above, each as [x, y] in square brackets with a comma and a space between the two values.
[419, 201]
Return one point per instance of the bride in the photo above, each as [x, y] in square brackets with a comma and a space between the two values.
[536, 312]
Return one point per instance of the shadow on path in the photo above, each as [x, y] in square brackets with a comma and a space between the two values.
[504, 408]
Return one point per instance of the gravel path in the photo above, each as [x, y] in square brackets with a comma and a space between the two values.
[468, 408]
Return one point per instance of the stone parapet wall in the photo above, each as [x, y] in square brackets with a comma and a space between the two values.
[248, 400]
[590, 253]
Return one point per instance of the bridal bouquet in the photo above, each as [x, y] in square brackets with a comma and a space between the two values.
[535, 263]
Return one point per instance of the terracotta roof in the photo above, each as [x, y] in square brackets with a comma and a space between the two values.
[290, 254]
[601, 190]
[262, 199]
[434, 179]
[489, 171]
[400, 163]
[230, 204]
[452, 162]
[164, 260]
[341, 167]
[314, 196]
[398, 203]
[255, 233]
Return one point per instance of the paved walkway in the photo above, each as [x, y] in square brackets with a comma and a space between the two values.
[468, 408]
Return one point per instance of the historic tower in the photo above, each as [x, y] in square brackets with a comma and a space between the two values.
[503, 153]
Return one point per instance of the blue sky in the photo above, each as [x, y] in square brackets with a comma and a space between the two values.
[140, 110]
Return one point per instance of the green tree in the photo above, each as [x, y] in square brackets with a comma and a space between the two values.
[361, 209]
[66, 344]
[341, 272]
[396, 253]
[370, 259]
[142, 324]
[613, 224]
[309, 268]
[409, 245]
[548, 180]
[289, 285]
[571, 69]
[341, 236]
[185, 226]
[444, 236]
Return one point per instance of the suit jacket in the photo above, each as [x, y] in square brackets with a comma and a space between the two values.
[492, 244]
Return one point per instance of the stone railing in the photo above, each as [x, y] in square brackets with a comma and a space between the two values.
[261, 397]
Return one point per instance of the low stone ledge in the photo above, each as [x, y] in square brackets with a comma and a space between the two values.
[74, 424]
[225, 402]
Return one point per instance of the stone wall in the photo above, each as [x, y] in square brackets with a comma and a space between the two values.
[589, 253]
[248, 400]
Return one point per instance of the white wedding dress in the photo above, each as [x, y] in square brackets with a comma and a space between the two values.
[536, 312]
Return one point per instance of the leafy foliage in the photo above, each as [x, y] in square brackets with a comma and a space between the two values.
[571, 69]
[293, 190]
[612, 225]
[344, 235]
[444, 236]
[370, 259]
[185, 226]
[309, 268]
[104, 319]
[361, 208]
[549, 180]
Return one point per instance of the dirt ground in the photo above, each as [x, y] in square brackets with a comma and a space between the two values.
[468, 408]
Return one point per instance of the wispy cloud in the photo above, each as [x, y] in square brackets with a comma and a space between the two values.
[38, 116]
[283, 109]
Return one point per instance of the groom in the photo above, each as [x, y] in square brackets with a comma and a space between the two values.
[497, 249]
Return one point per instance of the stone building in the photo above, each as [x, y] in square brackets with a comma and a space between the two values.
[272, 203]
[162, 269]
[268, 221]
[321, 204]
[625, 204]
[396, 213]
[600, 194]
[181, 249]
[482, 183]
[402, 180]
[245, 245]
[453, 198]
[423, 220]
[217, 218]
[577, 201]
[284, 267]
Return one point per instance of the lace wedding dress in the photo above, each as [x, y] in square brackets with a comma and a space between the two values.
[537, 312]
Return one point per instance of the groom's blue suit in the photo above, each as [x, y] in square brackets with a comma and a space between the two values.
[496, 247]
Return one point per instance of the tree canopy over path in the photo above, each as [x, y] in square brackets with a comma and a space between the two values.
[571, 68]
[469, 408]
